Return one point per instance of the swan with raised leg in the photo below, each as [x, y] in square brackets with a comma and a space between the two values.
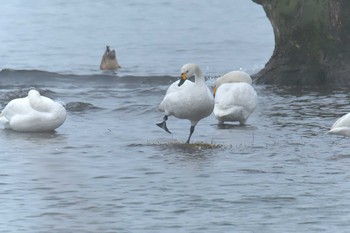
[186, 99]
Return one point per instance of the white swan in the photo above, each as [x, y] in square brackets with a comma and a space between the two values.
[33, 113]
[187, 100]
[235, 98]
[342, 126]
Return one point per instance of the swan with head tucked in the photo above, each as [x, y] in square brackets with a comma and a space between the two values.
[187, 100]
[342, 126]
[235, 98]
[34, 113]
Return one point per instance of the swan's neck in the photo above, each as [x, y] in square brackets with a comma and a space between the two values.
[198, 76]
[39, 104]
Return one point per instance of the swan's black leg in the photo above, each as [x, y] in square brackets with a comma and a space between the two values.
[163, 124]
[191, 132]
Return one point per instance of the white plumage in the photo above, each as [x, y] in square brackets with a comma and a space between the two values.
[33, 113]
[342, 126]
[187, 100]
[235, 98]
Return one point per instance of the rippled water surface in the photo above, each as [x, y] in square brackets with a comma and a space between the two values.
[109, 168]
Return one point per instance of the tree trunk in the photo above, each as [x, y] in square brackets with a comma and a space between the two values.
[312, 43]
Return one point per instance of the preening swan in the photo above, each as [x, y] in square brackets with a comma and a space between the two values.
[187, 100]
[33, 113]
[235, 98]
[342, 126]
[109, 60]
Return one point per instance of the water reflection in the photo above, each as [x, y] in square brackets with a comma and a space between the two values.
[19, 140]
[236, 126]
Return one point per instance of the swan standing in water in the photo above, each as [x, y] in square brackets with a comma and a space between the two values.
[235, 98]
[109, 60]
[342, 126]
[187, 100]
[34, 113]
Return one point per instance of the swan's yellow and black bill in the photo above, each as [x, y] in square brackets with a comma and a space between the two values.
[214, 90]
[183, 79]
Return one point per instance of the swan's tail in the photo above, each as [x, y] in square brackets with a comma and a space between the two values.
[4, 121]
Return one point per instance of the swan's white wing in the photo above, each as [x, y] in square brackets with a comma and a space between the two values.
[235, 102]
[342, 126]
[170, 98]
[344, 121]
[174, 87]
[16, 106]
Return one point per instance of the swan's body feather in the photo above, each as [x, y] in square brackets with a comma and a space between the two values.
[33, 113]
[187, 100]
[235, 98]
[342, 126]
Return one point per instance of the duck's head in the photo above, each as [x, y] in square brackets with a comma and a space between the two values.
[111, 55]
[187, 71]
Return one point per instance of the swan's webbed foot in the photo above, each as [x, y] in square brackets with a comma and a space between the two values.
[163, 124]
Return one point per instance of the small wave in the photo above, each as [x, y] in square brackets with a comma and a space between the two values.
[135, 109]
[80, 107]
[10, 77]
[9, 95]
[23, 78]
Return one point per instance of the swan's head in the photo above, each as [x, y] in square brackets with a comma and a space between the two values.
[236, 76]
[232, 77]
[109, 54]
[33, 94]
[187, 71]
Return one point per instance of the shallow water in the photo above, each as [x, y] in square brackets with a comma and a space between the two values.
[109, 168]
